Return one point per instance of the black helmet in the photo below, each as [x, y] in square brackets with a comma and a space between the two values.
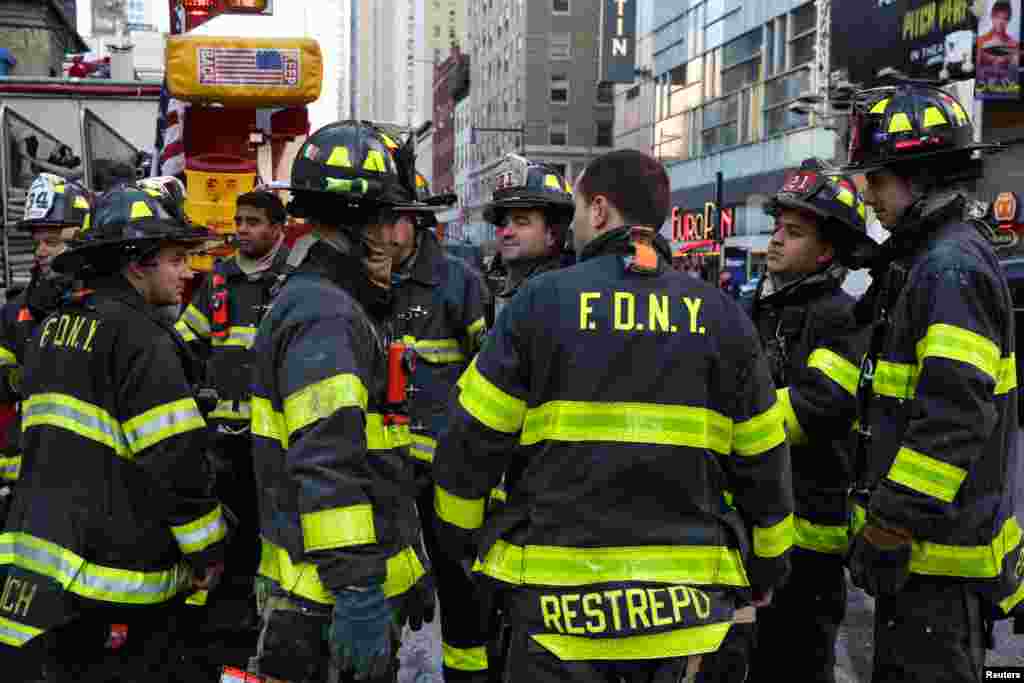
[357, 162]
[125, 223]
[526, 184]
[830, 196]
[897, 124]
[54, 202]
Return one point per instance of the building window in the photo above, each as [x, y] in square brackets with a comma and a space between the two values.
[560, 46]
[803, 50]
[558, 133]
[605, 93]
[633, 93]
[437, 30]
[743, 48]
[560, 7]
[741, 75]
[604, 133]
[805, 19]
[779, 93]
[559, 89]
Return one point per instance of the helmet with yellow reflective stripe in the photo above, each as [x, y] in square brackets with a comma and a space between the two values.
[170, 191]
[124, 223]
[54, 202]
[896, 124]
[829, 195]
[358, 163]
[522, 183]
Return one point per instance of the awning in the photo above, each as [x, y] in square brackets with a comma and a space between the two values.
[698, 245]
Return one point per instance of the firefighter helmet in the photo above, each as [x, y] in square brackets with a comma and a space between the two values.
[170, 191]
[125, 223]
[359, 163]
[54, 202]
[526, 184]
[829, 195]
[897, 124]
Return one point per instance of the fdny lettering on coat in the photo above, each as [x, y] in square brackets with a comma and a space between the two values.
[624, 610]
[73, 332]
[17, 596]
[628, 312]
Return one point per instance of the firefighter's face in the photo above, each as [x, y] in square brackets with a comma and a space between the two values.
[404, 239]
[162, 279]
[256, 234]
[796, 247]
[1000, 21]
[889, 195]
[524, 235]
[49, 244]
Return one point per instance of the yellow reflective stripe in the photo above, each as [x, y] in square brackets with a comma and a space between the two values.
[464, 658]
[974, 562]
[15, 634]
[926, 475]
[464, 513]
[422, 448]
[560, 566]
[382, 437]
[200, 534]
[338, 527]
[322, 399]
[162, 422]
[403, 570]
[956, 343]
[647, 423]
[794, 431]
[267, 422]
[198, 322]
[92, 581]
[1007, 380]
[488, 404]
[774, 540]
[679, 643]
[836, 368]
[474, 331]
[10, 468]
[7, 357]
[760, 433]
[498, 495]
[1013, 599]
[895, 380]
[226, 410]
[821, 538]
[185, 331]
[439, 350]
[198, 599]
[84, 419]
[238, 335]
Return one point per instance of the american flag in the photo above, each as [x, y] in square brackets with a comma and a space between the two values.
[170, 143]
[248, 66]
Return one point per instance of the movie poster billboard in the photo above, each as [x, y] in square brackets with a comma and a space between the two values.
[932, 39]
[998, 50]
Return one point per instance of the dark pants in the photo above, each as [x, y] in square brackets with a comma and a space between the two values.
[796, 634]
[931, 632]
[466, 613]
[77, 653]
[294, 646]
[528, 662]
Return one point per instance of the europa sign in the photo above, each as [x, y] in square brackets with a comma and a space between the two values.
[688, 226]
[618, 41]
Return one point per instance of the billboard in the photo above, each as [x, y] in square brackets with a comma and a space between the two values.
[998, 50]
[921, 38]
[618, 41]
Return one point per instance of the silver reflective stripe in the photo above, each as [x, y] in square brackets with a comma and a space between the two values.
[196, 322]
[15, 634]
[9, 467]
[40, 408]
[424, 451]
[166, 421]
[202, 537]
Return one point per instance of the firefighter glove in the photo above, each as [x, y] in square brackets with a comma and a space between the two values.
[361, 632]
[416, 605]
[880, 558]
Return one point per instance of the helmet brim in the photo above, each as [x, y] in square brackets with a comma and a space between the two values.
[848, 234]
[84, 254]
[493, 212]
[29, 225]
[871, 167]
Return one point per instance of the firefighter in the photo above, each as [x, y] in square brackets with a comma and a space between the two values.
[340, 538]
[220, 324]
[532, 220]
[54, 209]
[648, 476]
[806, 325]
[439, 305]
[110, 407]
[937, 542]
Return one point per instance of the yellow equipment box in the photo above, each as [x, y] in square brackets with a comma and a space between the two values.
[244, 72]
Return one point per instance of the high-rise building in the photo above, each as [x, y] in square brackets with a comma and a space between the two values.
[533, 68]
[445, 27]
